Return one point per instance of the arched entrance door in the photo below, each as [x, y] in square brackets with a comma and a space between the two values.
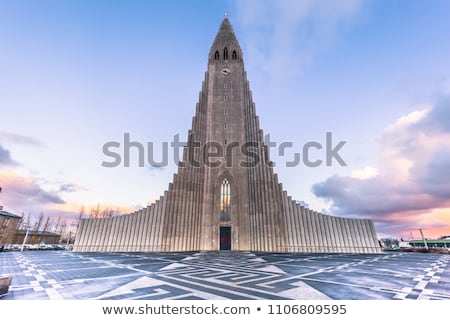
[225, 238]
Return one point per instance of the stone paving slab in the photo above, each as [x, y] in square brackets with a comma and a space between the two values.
[55, 275]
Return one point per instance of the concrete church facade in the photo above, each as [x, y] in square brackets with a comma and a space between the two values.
[231, 200]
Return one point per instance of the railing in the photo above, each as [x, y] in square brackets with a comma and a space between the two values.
[121, 248]
[335, 249]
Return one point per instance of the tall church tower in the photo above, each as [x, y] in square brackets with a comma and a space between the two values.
[225, 195]
[241, 209]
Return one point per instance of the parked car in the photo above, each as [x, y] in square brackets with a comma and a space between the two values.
[55, 247]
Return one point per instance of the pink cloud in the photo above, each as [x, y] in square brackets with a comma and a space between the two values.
[23, 192]
[410, 182]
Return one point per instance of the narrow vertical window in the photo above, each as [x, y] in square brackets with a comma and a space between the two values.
[225, 54]
[224, 125]
[234, 55]
[216, 55]
[225, 201]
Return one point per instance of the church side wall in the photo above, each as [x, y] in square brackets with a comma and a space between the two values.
[310, 231]
[135, 232]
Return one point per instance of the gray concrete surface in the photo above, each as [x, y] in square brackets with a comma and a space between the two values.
[225, 275]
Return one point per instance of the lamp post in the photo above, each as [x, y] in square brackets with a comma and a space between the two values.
[25, 239]
[68, 239]
[424, 240]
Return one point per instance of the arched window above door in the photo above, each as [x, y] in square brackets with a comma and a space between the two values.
[225, 195]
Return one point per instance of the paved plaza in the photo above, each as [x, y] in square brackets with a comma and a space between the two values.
[225, 275]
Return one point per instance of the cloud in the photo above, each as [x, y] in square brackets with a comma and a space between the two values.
[71, 187]
[20, 139]
[157, 167]
[436, 179]
[26, 194]
[438, 225]
[374, 197]
[411, 180]
[5, 157]
[365, 173]
[284, 36]
[22, 193]
[438, 118]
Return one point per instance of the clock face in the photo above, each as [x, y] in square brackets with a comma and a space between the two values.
[225, 71]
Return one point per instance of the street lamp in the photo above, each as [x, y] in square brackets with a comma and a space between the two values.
[68, 239]
[25, 239]
[424, 240]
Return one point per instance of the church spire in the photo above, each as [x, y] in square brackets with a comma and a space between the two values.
[225, 46]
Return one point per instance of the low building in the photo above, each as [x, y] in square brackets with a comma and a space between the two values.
[443, 242]
[8, 225]
[36, 237]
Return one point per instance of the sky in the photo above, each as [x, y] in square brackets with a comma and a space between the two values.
[75, 75]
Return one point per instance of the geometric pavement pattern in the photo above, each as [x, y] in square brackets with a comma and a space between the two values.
[225, 275]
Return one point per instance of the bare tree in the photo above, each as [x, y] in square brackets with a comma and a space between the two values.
[47, 225]
[57, 224]
[107, 212]
[103, 213]
[27, 223]
[39, 221]
[389, 243]
[95, 212]
[62, 227]
[79, 217]
[22, 221]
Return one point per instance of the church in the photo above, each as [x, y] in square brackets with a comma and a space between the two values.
[231, 198]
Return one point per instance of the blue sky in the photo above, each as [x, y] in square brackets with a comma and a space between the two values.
[77, 74]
